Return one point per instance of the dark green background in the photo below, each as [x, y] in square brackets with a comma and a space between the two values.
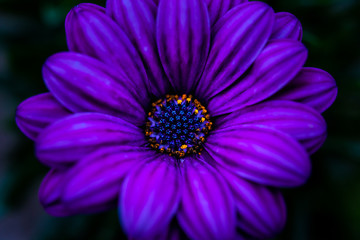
[327, 207]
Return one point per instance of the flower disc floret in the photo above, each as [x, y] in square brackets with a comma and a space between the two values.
[178, 125]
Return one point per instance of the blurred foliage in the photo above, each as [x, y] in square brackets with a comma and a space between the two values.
[327, 207]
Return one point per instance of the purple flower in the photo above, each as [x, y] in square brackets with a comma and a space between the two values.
[187, 115]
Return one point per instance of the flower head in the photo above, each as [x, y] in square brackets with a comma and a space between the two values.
[183, 114]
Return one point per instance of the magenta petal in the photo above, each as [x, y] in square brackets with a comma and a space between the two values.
[94, 183]
[260, 154]
[313, 87]
[261, 210]
[74, 137]
[207, 209]
[238, 39]
[298, 120]
[183, 37]
[278, 63]
[286, 26]
[149, 198]
[36, 113]
[90, 31]
[217, 8]
[50, 193]
[84, 84]
[138, 20]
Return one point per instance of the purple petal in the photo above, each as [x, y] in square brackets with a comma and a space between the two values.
[217, 8]
[74, 137]
[242, 236]
[207, 209]
[50, 193]
[183, 37]
[313, 87]
[138, 20]
[83, 84]
[234, 3]
[149, 198]
[261, 210]
[36, 113]
[260, 154]
[173, 233]
[238, 39]
[90, 31]
[278, 63]
[286, 26]
[298, 120]
[94, 183]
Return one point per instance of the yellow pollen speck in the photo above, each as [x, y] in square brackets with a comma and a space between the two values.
[201, 132]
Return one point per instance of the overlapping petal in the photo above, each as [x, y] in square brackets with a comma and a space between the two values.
[37, 112]
[261, 210]
[278, 63]
[149, 198]
[183, 38]
[217, 8]
[173, 232]
[90, 31]
[264, 155]
[234, 3]
[286, 26]
[207, 209]
[84, 84]
[138, 20]
[50, 193]
[299, 121]
[313, 87]
[74, 137]
[95, 182]
[244, 31]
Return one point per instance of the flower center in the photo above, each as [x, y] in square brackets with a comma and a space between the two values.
[178, 125]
